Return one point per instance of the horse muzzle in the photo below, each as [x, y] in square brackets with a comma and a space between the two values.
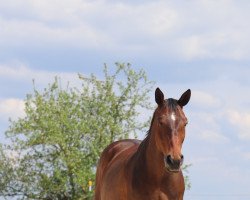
[173, 165]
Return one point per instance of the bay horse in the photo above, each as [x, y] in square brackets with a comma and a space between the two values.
[148, 170]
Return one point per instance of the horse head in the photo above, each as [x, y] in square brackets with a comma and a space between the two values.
[168, 128]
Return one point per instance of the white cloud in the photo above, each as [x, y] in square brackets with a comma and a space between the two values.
[42, 23]
[206, 127]
[11, 108]
[214, 137]
[246, 155]
[197, 160]
[204, 99]
[212, 32]
[35, 33]
[21, 72]
[14, 72]
[226, 171]
[205, 31]
[223, 44]
[241, 120]
[241, 151]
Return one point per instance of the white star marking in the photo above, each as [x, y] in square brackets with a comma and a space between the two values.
[173, 117]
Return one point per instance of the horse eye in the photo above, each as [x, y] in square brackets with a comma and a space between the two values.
[160, 123]
[186, 123]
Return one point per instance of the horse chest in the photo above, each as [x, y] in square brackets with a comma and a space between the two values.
[162, 196]
[157, 195]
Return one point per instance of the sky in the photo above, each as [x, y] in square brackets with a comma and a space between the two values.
[203, 45]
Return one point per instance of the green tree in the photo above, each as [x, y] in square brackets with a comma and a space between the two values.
[55, 147]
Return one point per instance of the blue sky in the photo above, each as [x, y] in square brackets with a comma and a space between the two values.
[202, 45]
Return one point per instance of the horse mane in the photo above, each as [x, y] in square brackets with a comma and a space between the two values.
[144, 143]
[172, 104]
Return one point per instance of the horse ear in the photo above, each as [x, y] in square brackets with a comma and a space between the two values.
[159, 97]
[185, 97]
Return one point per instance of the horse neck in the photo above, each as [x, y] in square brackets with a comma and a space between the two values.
[154, 160]
[149, 161]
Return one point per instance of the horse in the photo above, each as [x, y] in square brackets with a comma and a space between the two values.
[150, 169]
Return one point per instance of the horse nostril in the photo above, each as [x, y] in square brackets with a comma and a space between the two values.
[170, 160]
[182, 158]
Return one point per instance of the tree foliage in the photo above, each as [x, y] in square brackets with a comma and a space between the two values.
[54, 148]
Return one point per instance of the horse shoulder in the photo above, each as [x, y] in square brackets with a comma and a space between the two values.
[110, 171]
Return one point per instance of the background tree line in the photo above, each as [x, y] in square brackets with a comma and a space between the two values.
[53, 150]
